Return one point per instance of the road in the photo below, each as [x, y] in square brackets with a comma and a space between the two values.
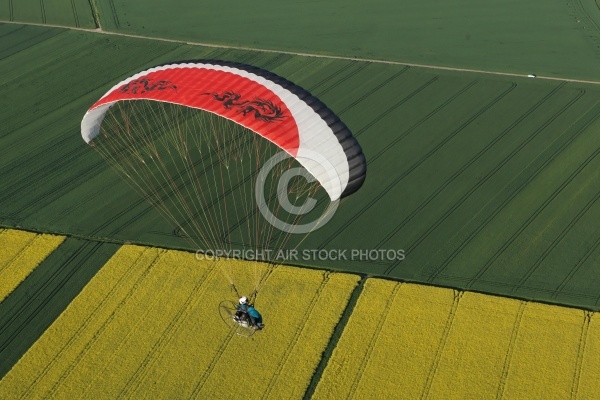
[435, 67]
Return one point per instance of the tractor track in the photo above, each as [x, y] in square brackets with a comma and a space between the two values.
[462, 169]
[284, 359]
[512, 195]
[85, 323]
[37, 302]
[583, 338]
[175, 324]
[509, 352]
[373, 340]
[420, 161]
[102, 327]
[442, 344]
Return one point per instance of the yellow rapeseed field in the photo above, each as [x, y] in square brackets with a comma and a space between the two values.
[20, 253]
[476, 347]
[545, 353]
[147, 326]
[388, 338]
[413, 341]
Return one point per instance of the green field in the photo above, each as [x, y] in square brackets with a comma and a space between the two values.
[488, 182]
[550, 37]
[554, 38]
[75, 13]
[484, 179]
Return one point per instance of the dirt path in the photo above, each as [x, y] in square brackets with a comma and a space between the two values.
[435, 67]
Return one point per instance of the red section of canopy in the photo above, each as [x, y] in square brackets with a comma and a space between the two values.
[216, 91]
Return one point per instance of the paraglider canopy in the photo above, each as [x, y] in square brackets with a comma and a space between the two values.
[265, 103]
[195, 137]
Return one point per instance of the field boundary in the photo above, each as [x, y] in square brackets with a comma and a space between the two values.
[97, 334]
[99, 239]
[99, 30]
[332, 342]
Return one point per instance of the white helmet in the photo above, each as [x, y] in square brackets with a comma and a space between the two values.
[243, 300]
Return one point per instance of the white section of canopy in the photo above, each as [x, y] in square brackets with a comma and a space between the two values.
[316, 137]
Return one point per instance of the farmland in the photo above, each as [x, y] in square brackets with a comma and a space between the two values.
[75, 13]
[486, 182]
[427, 342]
[44, 273]
[146, 326]
[476, 171]
[555, 38]
[21, 253]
